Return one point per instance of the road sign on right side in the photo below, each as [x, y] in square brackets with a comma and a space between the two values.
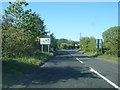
[98, 43]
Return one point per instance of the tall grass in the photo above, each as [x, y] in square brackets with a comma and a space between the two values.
[104, 56]
[14, 68]
[109, 57]
[24, 64]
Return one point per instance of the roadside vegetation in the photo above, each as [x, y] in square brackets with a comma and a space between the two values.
[67, 44]
[14, 69]
[104, 56]
[17, 65]
[21, 49]
[110, 45]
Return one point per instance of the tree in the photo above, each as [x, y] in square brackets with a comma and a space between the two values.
[21, 30]
[66, 44]
[53, 42]
[16, 43]
[111, 40]
[29, 21]
[60, 41]
[92, 44]
[84, 43]
[14, 13]
[88, 44]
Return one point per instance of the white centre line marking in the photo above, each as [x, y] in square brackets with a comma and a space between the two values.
[43, 65]
[111, 83]
[79, 60]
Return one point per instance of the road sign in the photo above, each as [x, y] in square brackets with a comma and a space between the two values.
[45, 40]
[98, 43]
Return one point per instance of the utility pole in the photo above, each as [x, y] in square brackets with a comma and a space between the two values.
[80, 41]
[80, 36]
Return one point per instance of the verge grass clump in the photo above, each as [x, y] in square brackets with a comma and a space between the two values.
[15, 68]
[104, 56]
[24, 64]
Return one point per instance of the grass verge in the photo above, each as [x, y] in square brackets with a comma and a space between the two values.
[104, 56]
[14, 68]
[109, 57]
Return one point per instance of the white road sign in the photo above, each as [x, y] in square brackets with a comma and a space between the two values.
[45, 40]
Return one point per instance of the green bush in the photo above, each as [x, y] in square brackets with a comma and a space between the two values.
[111, 41]
[16, 43]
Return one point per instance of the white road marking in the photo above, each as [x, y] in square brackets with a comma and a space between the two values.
[92, 70]
[76, 58]
[79, 60]
[110, 82]
[43, 65]
[71, 54]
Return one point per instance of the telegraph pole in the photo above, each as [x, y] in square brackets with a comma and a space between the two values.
[80, 36]
[80, 41]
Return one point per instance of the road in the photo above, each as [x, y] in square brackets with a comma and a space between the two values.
[69, 69]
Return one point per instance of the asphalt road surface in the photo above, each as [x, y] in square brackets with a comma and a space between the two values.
[69, 69]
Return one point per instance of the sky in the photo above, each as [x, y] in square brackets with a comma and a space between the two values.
[69, 19]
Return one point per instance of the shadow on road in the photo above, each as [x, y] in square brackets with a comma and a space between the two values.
[54, 74]
[43, 76]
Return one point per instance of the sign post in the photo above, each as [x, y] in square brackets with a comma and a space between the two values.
[98, 44]
[42, 48]
[45, 41]
[48, 47]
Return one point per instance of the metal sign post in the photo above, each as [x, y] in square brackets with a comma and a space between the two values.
[48, 48]
[42, 48]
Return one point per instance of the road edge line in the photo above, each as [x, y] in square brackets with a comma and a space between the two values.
[104, 78]
[110, 82]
